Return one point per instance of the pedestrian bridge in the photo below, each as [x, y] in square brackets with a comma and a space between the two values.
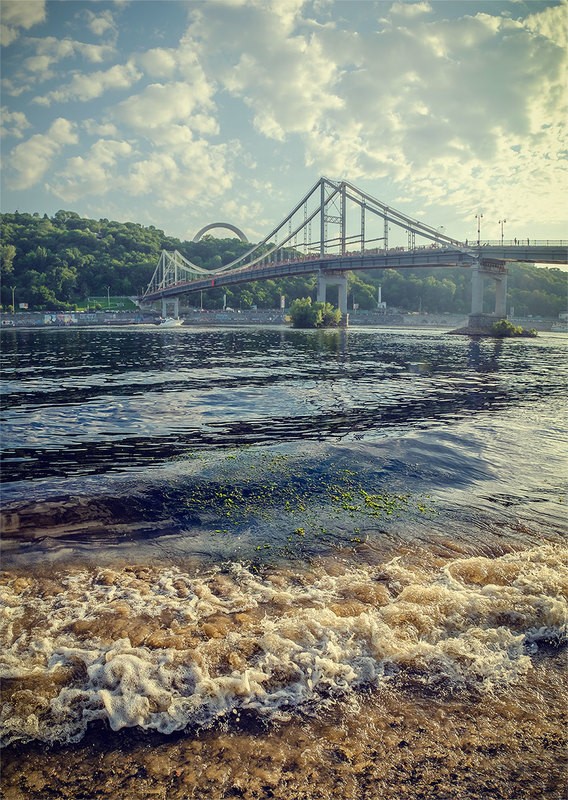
[315, 238]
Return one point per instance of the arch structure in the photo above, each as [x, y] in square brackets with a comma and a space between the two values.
[226, 225]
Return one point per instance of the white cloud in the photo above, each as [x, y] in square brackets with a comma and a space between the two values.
[93, 174]
[174, 181]
[429, 104]
[101, 23]
[158, 62]
[58, 49]
[449, 107]
[30, 160]
[409, 10]
[95, 128]
[13, 123]
[48, 52]
[160, 106]
[87, 86]
[552, 23]
[16, 15]
[287, 80]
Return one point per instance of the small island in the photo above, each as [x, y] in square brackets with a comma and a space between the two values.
[306, 314]
[503, 329]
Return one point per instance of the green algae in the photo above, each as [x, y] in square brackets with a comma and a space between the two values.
[248, 488]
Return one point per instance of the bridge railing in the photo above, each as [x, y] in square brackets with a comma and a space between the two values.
[528, 242]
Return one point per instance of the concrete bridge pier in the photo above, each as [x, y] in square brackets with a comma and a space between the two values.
[337, 279]
[501, 296]
[173, 303]
[476, 290]
[477, 318]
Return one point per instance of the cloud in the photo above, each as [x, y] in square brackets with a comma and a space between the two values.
[95, 128]
[58, 49]
[30, 160]
[17, 14]
[444, 107]
[92, 174]
[410, 9]
[160, 106]
[172, 177]
[158, 62]
[552, 23]
[13, 123]
[176, 180]
[47, 53]
[87, 86]
[431, 102]
[101, 23]
[286, 79]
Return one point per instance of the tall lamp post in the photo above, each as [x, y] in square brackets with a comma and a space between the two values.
[478, 217]
[502, 223]
[108, 296]
[13, 288]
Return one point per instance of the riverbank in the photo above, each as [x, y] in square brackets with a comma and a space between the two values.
[42, 319]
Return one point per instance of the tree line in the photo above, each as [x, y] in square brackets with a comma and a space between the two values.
[58, 262]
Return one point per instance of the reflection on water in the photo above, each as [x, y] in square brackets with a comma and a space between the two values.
[81, 402]
[283, 564]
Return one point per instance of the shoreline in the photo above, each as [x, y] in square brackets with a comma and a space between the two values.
[455, 323]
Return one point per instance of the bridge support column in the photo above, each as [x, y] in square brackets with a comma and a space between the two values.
[322, 288]
[478, 320]
[476, 290]
[174, 302]
[333, 280]
[501, 297]
[478, 273]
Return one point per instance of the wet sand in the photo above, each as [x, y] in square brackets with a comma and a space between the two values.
[392, 744]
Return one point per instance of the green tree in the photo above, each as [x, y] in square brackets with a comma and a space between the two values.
[306, 314]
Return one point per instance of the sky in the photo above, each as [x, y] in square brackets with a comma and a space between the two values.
[179, 114]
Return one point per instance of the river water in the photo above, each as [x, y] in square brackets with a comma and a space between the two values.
[266, 563]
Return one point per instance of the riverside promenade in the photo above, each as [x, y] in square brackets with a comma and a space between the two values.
[193, 317]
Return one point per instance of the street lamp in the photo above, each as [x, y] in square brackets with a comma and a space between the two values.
[13, 288]
[108, 296]
[501, 223]
[478, 217]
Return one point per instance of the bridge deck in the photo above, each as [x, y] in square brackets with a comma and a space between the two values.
[399, 258]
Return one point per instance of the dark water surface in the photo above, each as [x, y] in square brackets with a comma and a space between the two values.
[284, 564]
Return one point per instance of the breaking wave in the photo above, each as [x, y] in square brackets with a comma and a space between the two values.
[165, 649]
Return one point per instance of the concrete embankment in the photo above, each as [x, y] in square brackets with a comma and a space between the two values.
[42, 319]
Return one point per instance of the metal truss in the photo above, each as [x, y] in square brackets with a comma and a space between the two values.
[172, 270]
[326, 204]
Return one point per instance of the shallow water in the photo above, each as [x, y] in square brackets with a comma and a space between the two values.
[271, 563]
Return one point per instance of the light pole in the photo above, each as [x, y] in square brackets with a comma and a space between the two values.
[502, 223]
[13, 288]
[108, 296]
[478, 217]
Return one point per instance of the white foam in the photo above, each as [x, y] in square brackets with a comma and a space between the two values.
[273, 643]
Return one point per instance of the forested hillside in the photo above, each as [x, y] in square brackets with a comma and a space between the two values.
[58, 262]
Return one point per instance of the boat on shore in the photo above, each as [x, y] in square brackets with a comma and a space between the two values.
[171, 322]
